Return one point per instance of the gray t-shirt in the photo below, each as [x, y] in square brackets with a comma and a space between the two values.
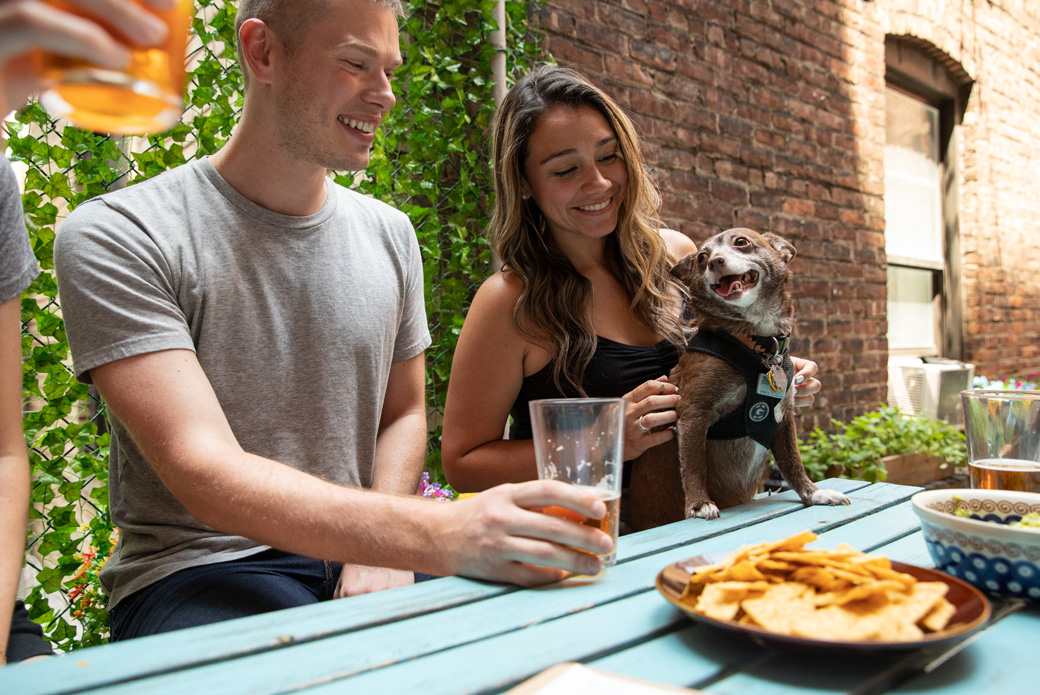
[295, 321]
[17, 263]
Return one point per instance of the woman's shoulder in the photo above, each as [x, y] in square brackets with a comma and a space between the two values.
[492, 315]
[678, 244]
[496, 297]
[503, 286]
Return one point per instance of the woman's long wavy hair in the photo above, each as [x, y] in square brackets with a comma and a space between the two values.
[555, 307]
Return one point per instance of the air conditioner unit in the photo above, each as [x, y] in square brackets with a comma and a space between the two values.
[928, 388]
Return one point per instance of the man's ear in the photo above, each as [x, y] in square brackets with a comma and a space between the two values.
[258, 46]
[787, 251]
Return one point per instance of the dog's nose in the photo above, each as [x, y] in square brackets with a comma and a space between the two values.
[716, 263]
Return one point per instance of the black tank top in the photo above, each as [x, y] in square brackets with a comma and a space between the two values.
[615, 370]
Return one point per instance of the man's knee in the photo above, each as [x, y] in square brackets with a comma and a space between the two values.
[211, 594]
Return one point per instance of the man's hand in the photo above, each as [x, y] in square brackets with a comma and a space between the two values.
[29, 24]
[355, 580]
[500, 534]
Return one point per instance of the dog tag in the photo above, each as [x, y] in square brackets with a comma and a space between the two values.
[777, 378]
[765, 386]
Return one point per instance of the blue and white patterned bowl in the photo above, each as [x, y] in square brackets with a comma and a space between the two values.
[982, 549]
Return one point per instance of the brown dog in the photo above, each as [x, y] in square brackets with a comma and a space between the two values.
[735, 383]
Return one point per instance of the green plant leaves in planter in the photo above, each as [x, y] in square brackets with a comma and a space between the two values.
[857, 447]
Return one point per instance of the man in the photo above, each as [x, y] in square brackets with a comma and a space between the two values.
[257, 333]
[26, 25]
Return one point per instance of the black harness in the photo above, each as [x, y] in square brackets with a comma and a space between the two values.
[758, 418]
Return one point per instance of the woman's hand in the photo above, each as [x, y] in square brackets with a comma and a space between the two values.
[806, 385]
[649, 416]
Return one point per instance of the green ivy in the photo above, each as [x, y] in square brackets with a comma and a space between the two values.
[430, 159]
[855, 449]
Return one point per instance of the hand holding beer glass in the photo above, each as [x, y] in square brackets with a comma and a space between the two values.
[96, 90]
[580, 441]
[1002, 429]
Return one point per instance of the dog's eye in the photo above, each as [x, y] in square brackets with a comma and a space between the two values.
[740, 242]
[702, 257]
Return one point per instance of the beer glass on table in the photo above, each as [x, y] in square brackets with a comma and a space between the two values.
[581, 441]
[1002, 429]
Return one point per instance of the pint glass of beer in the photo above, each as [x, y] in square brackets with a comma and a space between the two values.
[1003, 433]
[581, 441]
[146, 97]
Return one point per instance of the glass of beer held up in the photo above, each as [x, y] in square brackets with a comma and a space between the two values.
[581, 441]
[1002, 429]
[146, 97]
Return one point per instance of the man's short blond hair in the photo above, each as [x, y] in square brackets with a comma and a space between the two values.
[290, 19]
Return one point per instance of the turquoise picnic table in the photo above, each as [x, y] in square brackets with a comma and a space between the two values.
[455, 635]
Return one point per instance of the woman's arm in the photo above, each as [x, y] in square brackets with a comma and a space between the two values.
[14, 465]
[487, 372]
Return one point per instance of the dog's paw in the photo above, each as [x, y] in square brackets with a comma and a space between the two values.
[831, 497]
[708, 510]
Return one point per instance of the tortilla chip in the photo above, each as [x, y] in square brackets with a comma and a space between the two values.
[938, 617]
[780, 608]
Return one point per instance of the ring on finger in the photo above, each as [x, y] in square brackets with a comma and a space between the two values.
[642, 428]
[662, 388]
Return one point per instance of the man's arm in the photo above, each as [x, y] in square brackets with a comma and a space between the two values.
[401, 445]
[14, 466]
[400, 454]
[169, 408]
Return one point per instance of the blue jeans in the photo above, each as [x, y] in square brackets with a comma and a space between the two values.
[268, 581]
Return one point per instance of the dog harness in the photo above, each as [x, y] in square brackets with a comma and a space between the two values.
[760, 416]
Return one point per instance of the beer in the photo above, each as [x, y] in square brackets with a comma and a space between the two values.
[146, 97]
[609, 524]
[1005, 474]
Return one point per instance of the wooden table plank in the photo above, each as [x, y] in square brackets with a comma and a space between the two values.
[910, 549]
[696, 653]
[1002, 661]
[97, 666]
[874, 531]
[498, 662]
[765, 506]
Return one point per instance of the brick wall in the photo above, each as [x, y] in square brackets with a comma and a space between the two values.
[770, 114]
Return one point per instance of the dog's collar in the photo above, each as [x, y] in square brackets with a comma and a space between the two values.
[771, 347]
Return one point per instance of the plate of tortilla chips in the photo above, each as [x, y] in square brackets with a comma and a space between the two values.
[785, 594]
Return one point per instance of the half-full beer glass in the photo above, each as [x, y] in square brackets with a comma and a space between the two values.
[581, 441]
[146, 97]
[1003, 433]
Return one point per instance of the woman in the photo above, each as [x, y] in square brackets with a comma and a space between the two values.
[584, 304]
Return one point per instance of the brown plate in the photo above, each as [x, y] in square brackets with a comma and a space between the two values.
[972, 610]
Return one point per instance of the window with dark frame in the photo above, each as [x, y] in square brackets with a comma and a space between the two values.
[924, 101]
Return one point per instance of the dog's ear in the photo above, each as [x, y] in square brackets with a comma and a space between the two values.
[787, 251]
[683, 270]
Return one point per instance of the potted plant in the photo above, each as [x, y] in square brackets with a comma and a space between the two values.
[886, 444]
